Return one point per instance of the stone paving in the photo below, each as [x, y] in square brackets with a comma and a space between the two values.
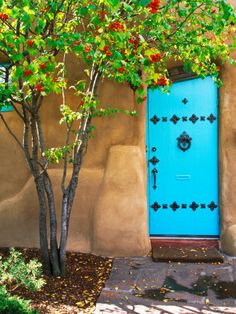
[138, 285]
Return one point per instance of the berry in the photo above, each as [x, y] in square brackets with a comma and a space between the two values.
[105, 49]
[75, 43]
[134, 41]
[87, 49]
[153, 6]
[27, 72]
[109, 54]
[30, 43]
[42, 66]
[39, 88]
[102, 15]
[116, 27]
[4, 16]
[155, 57]
[162, 81]
[122, 69]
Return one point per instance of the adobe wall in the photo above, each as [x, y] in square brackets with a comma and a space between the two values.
[110, 213]
[110, 210]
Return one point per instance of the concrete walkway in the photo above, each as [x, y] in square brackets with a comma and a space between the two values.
[137, 285]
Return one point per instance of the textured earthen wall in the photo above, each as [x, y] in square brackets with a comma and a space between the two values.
[110, 209]
[227, 157]
[116, 152]
[227, 160]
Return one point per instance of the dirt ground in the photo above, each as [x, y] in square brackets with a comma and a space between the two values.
[77, 292]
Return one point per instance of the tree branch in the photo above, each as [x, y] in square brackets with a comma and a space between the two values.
[184, 21]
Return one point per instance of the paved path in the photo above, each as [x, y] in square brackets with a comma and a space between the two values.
[137, 285]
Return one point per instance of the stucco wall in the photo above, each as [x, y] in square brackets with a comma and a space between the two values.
[117, 141]
[110, 210]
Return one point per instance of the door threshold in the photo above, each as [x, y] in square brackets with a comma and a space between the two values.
[183, 238]
[184, 242]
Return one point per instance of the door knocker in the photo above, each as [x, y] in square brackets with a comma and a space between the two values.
[184, 141]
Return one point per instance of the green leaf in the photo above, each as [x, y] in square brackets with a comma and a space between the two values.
[84, 11]
[182, 12]
[114, 2]
[144, 3]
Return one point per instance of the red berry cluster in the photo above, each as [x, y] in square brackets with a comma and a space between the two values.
[153, 6]
[27, 72]
[134, 40]
[102, 14]
[75, 43]
[122, 69]
[4, 16]
[39, 88]
[30, 43]
[42, 66]
[87, 49]
[116, 27]
[162, 81]
[107, 51]
[155, 57]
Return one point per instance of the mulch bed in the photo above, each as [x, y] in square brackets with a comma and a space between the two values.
[77, 292]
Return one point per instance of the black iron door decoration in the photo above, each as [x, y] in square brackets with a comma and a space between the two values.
[184, 141]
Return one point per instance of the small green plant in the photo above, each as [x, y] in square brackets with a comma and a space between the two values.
[14, 273]
[13, 304]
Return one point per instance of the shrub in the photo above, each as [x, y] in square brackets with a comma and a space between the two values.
[16, 272]
[13, 304]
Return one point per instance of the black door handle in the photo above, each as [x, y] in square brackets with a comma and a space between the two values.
[154, 172]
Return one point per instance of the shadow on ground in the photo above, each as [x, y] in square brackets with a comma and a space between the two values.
[137, 285]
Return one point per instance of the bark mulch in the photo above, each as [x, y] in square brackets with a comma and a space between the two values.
[77, 292]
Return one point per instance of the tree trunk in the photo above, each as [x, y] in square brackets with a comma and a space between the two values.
[53, 226]
[39, 181]
[43, 225]
[64, 233]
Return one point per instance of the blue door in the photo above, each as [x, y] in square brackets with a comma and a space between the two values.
[182, 135]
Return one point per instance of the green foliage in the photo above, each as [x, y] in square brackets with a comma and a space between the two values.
[68, 115]
[131, 42]
[55, 155]
[121, 43]
[15, 272]
[13, 304]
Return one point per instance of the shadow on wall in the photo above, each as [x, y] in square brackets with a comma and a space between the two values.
[109, 215]
[19, 214]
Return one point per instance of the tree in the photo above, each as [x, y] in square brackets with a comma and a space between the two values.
[128, 41]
